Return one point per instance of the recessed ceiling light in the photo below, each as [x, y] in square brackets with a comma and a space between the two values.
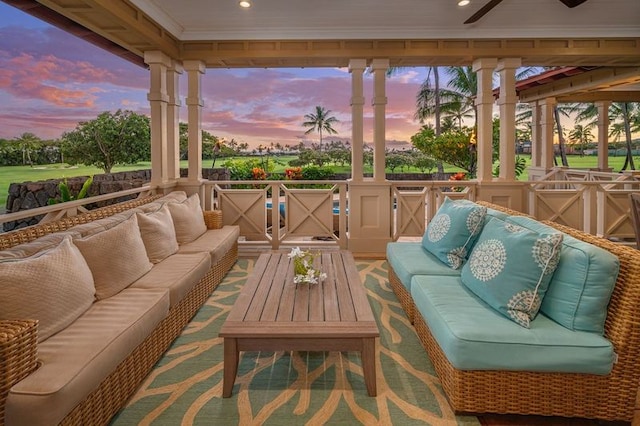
[245, 3]
[463, 2]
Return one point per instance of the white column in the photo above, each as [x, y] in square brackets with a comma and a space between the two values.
[173, 121]
[603, 134]
[379, 68]
[158, 98]
[535, 134]
[356, 68]
[484, 106]
[507, 101]
[195, 70]
[547, 125]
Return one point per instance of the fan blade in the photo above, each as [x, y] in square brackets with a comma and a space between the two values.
[483, 11]
[572, 3]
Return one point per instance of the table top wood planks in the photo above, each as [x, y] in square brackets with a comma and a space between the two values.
[272, 313]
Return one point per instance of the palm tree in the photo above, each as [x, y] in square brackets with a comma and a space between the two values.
[581, 134]
[319, 122]
[28, 143]
[428, 102]
[629, 113]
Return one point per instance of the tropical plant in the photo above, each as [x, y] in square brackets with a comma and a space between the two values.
[122, 137]
[629, 114]
[65, 192]
[521, 166]
[453, 147]
[581, 135]
[320, 121]
[28, 142]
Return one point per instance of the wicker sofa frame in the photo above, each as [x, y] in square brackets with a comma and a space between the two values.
[610, 397]
[18, 348]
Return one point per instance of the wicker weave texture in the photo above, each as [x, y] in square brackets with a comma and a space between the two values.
[213, 219]
[25, 235]
[18, 354]
[405, 299]
[610, 397]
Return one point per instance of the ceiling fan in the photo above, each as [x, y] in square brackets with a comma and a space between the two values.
[493, 3]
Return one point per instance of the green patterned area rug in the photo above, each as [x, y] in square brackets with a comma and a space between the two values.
[301, 388]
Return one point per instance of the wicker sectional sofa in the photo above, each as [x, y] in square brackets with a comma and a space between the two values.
[83, 370]
[506, 368]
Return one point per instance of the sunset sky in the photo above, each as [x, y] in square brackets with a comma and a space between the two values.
[50, 81]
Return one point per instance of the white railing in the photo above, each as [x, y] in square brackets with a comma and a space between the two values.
[281, 213]
[316, 212]
[72, 208]
[416, 202]
[592, 201]
[319, 216]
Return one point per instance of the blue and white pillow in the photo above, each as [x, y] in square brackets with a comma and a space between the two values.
[453, 230]
[510, 268]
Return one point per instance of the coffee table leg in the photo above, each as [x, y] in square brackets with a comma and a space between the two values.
[369, 365]
[231, 356]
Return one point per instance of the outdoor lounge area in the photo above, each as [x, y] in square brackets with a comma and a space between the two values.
[51, 377]
[490, 301]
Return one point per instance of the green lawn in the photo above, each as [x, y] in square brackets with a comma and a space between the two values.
[12, 174]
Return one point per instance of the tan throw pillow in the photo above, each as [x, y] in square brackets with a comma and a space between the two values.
[116, 257]
[188, 219]
[54, 286]
[158, 234]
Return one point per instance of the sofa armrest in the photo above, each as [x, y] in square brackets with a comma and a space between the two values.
[18, 354]
[213, 219]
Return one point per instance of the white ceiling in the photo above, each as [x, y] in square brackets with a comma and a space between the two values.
[380, 19]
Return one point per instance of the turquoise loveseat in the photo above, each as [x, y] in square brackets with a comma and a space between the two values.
[579, 355]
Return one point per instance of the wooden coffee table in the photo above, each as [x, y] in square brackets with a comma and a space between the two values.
[274, 314]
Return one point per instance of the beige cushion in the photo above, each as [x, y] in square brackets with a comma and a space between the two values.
[178, 196]
[29, 249]
[89, 228]
[188, 219]
[158, 234]
[216, 242]
[77, 359]
[116, 219]
[54, 286]
[178, 274]
[116, 257]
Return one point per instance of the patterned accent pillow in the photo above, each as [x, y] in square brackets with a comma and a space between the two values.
[453, 230]
[188, 219]
[54, 286]
[510, 268]
[116, 257]
[158, 234]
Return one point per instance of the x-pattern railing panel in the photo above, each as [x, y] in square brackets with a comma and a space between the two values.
[309, 212]
[410, 212]
[246, 208]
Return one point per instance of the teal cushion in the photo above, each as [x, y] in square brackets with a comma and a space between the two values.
[475, 337]
[491, 213]
[453, 230]
[510, 268]
[410, 258]
[582, 284]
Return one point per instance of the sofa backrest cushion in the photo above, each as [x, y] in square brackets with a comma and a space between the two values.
[188, 219]
[54, 286]
[453, 231]
[174, 196]
[158, 234]
[116, 257]
[32, 247]
[581, 286]
[510, 268]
